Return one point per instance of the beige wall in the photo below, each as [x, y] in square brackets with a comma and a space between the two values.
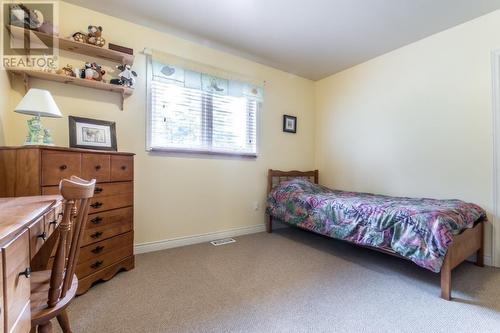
[416, 121]
[184, 195]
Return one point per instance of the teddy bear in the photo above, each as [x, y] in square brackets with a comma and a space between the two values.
[79, 37]
[94, 36]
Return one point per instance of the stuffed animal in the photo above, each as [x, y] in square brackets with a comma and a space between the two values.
[98, 72]
[92, 71]
[126, 77]
[67, 70]
[79, 37]
[95, 36]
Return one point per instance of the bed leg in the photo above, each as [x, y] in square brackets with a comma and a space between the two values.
[269, 224]
[480, 252]
[446, 279]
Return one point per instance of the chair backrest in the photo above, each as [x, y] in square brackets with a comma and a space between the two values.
[77, 194]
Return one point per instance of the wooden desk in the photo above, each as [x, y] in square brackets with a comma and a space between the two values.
[26, 224]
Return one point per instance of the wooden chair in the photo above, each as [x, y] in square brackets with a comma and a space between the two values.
[52, 290]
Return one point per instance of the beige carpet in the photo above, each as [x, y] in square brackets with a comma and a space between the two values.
[288, 281]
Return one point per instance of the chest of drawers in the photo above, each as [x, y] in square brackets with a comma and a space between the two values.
[108, 240]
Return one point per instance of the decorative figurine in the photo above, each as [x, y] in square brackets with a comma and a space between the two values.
[67, 70]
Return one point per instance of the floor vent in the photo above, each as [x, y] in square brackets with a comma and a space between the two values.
[222, 241]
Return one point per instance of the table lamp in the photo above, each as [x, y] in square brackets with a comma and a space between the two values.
[38, 103]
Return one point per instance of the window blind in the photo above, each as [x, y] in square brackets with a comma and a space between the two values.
[192, 111]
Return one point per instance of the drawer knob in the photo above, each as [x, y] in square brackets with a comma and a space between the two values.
[97, 167]
[98, 249]
[124, 167]
[96, 220]
[43, 236]
[97, 264]
[63, 167]
[98, 190]
[96, 235]
[96, 204]
[26, 273]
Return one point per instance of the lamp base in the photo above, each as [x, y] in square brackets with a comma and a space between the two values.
[37, 135]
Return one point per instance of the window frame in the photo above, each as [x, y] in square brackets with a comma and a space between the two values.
[195, 151]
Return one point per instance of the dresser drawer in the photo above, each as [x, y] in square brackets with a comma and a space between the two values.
[122, 168]
[113, 188]
[37, 236]
[101, 261]
[100, 190]
[95, 250]
[105, 219]
[58, 165]
[16, 260]
[107, 224]
[96, 166]
[100, 204]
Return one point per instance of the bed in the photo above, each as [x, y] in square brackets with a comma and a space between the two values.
[435, 234]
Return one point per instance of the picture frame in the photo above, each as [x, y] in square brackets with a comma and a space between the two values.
[92, 134]
[289, 124]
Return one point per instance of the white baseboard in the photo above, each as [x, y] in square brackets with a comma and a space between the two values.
[195, 239]
[486, 260]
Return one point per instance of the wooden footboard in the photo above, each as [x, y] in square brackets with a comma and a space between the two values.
[464, 245]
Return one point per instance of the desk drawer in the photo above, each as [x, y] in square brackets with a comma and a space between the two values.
[100, 204]
[52, 219]
[58, 165]
[98, 249]
[101, 261]
[16, 261]
[122, 168]
[96, 166]
[37, 236]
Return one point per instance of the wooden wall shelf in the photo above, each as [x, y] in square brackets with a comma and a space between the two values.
[72, 46]
[27, 74]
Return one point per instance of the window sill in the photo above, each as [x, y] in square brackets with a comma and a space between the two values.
[200, 152]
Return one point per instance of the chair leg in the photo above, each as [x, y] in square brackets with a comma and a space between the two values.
[63, 320]
[45, 328]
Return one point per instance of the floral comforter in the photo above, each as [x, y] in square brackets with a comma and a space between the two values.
[418, 229]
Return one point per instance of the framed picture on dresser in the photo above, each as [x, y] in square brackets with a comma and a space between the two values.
[92, 133]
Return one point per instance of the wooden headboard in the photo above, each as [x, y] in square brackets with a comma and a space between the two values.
[275, 177]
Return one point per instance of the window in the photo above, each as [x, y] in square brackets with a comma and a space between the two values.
[196, 112]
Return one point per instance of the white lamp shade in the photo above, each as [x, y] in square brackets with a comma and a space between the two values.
[38, 102]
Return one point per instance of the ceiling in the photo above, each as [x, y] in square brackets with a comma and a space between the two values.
[310, 38]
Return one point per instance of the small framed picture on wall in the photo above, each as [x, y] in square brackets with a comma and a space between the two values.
[92, 134]
[289, 124]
